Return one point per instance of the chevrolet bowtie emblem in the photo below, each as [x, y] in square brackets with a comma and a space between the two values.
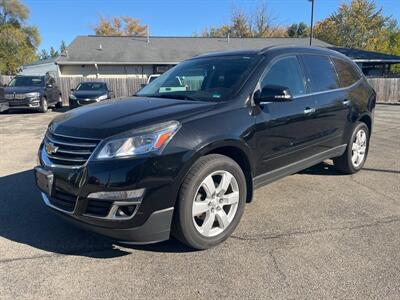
[51, 148]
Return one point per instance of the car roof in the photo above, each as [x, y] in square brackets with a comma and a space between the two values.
[276, 50]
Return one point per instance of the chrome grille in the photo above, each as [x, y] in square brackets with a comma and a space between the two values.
[68, 151]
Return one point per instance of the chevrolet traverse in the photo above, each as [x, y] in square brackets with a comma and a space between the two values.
[185, 161]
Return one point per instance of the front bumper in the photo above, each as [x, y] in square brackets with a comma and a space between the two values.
[155, 229]
[151, 222]
[32, 103]
[80, 102]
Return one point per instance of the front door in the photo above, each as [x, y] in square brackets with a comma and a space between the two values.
[285, 131]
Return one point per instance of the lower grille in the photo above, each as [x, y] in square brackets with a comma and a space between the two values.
[63, 201]
[98, 208]
[18, 103]
[68, 151]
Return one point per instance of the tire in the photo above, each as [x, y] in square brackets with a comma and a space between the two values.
[59, 104]
[43, 106]
[195, 231]
[347, 163]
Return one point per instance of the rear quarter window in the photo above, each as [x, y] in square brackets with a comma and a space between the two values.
[321, 75]
[348, 75]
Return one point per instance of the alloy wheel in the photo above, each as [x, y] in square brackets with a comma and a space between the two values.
[215, 203]
[359, 148]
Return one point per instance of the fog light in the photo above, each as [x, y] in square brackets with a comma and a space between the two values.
[119, 195]
[125, 211]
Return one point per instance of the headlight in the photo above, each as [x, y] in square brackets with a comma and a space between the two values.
[149, 139]
[102, 97]
[32, 95]
[72, 97]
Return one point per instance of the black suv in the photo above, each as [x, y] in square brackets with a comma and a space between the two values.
[33, 92]
[185, 161]
[89, 92]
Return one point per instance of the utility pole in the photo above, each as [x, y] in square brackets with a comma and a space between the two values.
[312, 21]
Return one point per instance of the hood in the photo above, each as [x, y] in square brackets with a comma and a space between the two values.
[88, 94]
[22, 89]
[111, 117]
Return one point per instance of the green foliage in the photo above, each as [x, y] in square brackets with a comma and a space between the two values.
[52, 53]
[18, 42]
[13, 12]
[63, 47]
[359, 25]
[15, 49]
[300, 30]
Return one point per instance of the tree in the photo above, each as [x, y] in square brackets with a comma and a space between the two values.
[356, 25]
[15, 49]
[18, 41]
[258, 23]
[63, 46]
[44, 54]
[299, 30]
[263, 21]
[53, 52]
[13, 12]
[120, 26]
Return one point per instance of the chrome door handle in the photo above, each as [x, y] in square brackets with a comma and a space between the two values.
[346, 102]
[309, 110]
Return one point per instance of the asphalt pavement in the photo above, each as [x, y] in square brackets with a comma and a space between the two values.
[316, 234]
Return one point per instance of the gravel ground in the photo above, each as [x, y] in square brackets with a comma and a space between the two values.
[315, 234]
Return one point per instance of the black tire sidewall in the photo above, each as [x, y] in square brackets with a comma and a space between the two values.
[358, 126]
[59, 103]
[42, 109]
[188, 230]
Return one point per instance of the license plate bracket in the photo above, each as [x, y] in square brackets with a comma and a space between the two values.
[44, 180]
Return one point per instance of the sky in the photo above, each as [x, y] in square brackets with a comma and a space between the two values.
[65, 19]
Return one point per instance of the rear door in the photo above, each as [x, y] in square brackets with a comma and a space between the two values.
[285, 131]
[332, 105]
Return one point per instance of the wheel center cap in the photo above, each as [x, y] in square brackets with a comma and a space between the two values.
[214, 203]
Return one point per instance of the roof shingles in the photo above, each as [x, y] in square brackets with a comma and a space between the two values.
[162, 50]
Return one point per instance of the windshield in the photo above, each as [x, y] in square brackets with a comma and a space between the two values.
[204, 79]
[92, 86]
[27, 81]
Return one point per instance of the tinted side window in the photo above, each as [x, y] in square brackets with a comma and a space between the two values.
[322, 75]
[347, 74]
[286, 73]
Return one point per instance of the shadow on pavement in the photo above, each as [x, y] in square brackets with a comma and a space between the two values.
[322, 169]
[25, 219]
[381, 170]
[328, 169]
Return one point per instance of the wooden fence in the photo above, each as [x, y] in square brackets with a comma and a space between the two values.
[387, 89]
[122, 87]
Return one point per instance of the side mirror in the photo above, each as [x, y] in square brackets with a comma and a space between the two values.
[72, 90]
[49, 85]
[142, 85]
[272, 93]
